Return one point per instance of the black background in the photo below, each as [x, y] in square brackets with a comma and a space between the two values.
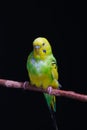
[64, 25]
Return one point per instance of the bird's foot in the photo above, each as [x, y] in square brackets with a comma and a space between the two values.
[49, 89]
[25, 85]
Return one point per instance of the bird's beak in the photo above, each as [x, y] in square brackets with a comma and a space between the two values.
[36, 48]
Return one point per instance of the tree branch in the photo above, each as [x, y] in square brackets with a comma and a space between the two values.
[56, 92]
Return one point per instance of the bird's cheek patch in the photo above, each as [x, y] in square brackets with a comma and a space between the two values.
[44, 51]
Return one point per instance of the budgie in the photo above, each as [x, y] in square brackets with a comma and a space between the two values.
[43, 71]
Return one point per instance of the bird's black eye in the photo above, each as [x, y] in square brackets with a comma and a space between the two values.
[43, 44]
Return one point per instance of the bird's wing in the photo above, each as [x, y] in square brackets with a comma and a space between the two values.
[54, 69]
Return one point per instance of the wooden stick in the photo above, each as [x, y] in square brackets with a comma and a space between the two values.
[56, 92]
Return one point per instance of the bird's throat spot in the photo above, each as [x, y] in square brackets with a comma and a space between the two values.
[44, 51]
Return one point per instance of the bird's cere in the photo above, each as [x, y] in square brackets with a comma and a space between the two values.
[37, 47]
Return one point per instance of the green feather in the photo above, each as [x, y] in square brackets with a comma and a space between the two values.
[51, 101]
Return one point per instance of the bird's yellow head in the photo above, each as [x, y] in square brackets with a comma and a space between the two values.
[41, 47]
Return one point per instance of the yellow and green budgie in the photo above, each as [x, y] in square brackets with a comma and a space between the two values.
[43, 70]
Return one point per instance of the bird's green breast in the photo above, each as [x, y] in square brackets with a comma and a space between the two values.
[38, 67]
[39, 72]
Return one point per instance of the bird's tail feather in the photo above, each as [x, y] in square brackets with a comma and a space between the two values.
[51, 102]
[53, 119]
